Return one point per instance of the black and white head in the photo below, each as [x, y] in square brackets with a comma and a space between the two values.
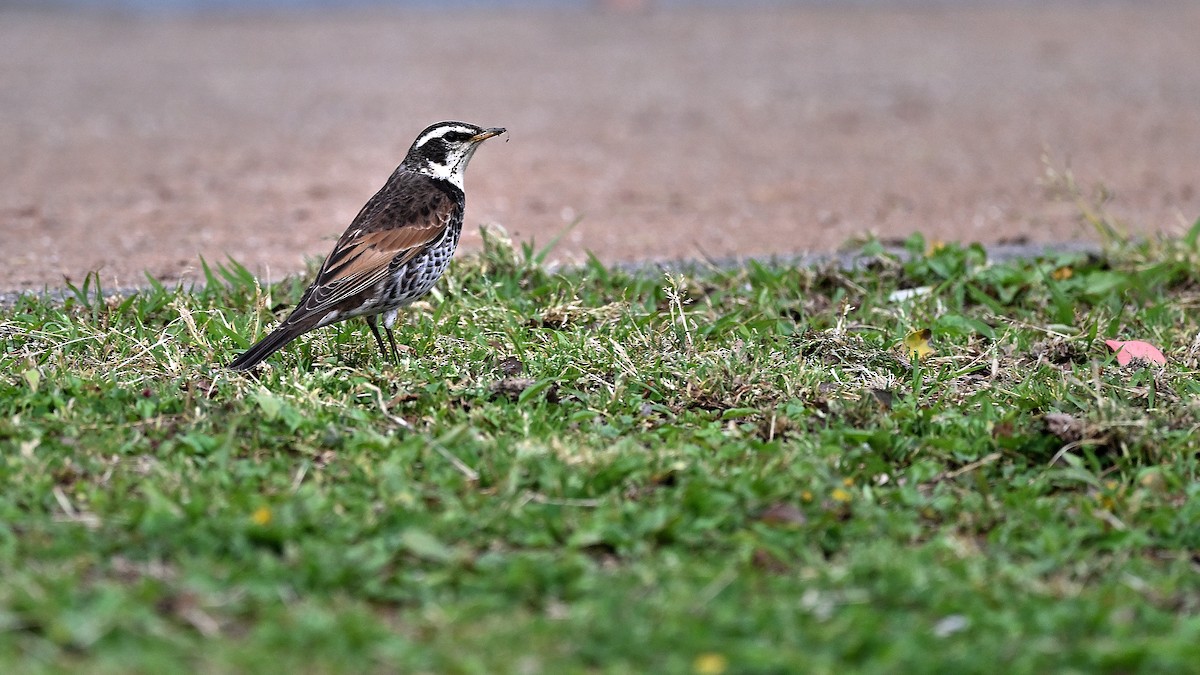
[443, 149]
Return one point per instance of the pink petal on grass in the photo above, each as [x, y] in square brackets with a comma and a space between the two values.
[1127, 350]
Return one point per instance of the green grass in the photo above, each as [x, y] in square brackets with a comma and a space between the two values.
[592, 471]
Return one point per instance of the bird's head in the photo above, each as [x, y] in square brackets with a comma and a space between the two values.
[443, 149]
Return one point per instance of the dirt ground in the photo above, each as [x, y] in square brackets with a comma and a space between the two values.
[134, 143]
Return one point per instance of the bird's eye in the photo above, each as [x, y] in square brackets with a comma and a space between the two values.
[456, 137]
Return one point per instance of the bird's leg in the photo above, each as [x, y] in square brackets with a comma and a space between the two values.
[392, 339]
[378, 339]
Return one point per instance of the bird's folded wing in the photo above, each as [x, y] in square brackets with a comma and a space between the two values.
[364, 255]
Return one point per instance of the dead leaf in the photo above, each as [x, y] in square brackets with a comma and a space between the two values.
[782, 514]
[1003, 429]
[402, 397]
[916, 343]
[202, 386]
[1062, 273]
[511, 366]
[512, 387]
[883, 397]
[767, 561]
[1128, 350]
[1064, 426]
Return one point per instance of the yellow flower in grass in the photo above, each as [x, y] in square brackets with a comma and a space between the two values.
[261, 516]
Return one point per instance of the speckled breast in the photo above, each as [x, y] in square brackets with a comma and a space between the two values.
[414, 279]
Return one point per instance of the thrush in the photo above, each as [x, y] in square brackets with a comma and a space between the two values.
[396, 248]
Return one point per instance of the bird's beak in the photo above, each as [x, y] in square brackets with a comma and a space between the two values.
[486, 134]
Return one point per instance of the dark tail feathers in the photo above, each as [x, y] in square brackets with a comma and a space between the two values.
[267, 346]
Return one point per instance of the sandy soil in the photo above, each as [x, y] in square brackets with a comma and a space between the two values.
[141, 143]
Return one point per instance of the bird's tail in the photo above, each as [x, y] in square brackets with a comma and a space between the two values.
[268, 346]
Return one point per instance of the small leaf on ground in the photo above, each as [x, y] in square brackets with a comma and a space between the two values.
[1064, 426]
[916, 343]
[511, 366]
[782, 513]
[1128, 350]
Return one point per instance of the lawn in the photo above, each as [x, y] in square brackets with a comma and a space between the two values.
[761, 469]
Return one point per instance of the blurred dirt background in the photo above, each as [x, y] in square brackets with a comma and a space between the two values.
[141, 142]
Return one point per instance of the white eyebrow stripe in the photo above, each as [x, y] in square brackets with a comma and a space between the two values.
[442, 131]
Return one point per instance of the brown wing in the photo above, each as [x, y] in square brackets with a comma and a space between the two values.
[397, 224]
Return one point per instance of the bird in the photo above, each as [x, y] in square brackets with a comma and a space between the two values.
[395, 249]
